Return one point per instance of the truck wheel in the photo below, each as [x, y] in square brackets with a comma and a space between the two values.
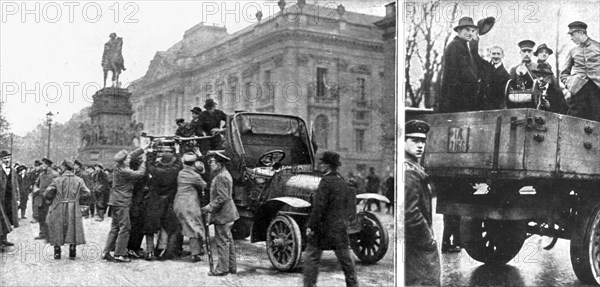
[241, 228]
[371, 243]
[492, 241]
[585, 246]
[284, 243]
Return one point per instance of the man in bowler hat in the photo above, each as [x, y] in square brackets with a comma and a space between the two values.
[334, 206]
[581, 75]
[422, 261]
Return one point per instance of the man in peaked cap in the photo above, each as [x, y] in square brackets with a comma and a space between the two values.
[460, 75]
[334, 207]
[522, 74]
[223, 213]
[580, 74]
[422, 262]
[45, 178]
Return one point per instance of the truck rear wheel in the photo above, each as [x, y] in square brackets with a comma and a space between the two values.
[371, 243]
[492, 241]
[284, 243]
[585, 246]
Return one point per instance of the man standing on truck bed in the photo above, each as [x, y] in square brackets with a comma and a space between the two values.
[422, 261]
[581, 74]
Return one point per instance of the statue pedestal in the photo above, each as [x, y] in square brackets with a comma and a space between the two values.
[110, 129]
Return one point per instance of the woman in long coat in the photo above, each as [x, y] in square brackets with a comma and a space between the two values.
[187, 204]
[65, 225]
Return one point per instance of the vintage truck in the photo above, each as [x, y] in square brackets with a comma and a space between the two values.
[272, 166]
[537, 172]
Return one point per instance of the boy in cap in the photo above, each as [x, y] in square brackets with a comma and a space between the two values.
[580, 74]
[333, 208]
[460, 75]
[120, 202]
[422, 262]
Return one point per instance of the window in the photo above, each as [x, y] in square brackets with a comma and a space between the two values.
[361, 116]
[321, 127]
[360, 140]
[321, 81]
[269, 95]
[360, 83]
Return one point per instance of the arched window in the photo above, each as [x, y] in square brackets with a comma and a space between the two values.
[321, 129]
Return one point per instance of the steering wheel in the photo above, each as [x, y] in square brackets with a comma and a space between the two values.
[271, 157]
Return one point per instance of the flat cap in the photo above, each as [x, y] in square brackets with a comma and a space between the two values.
[48, 162]
[77, 162]
[189, 157]
[120, 156]
[37, 162]
[68, 164]
[416, 129]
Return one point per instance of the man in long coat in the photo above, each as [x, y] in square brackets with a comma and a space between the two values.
[422, 260]
[64, 214]
[101, 190]
[333, 208]
[25, 184]
[34, 174]
[460, 76]
[223, 213]
[187, 204]
[48, 174]
[9, 198]
[87, 199]
[158, 201]
[498, 79]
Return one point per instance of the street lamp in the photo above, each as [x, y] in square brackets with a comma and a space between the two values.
[49, 123]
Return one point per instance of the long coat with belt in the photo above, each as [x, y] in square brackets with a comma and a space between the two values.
[65, 225]
[9, 195]
[221, 203]
[333, 207]
[187, 204]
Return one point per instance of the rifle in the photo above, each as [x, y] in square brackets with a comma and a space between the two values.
[207, 241]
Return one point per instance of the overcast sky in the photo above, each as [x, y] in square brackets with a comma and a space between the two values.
[51, 51]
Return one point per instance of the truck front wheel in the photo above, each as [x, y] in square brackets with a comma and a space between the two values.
[585, 246]
[492, 241]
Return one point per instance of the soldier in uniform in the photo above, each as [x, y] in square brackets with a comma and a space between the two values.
[333, 208]
[422, 261]
[581, 75]
[48, 174]
[522, 74]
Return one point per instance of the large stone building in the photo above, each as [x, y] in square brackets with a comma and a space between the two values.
[325, 65]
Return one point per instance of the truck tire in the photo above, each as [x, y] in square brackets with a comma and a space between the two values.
[490, 241]
[585, 246]
[284, 243]
[370, 244]
[241, 228]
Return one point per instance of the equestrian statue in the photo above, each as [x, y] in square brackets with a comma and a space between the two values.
[112, 59]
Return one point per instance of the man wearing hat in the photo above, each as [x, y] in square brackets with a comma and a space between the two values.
[422, 261]
[333, 207]
[25, 184]
[187, 204]
[581, 74]
[460, 74]
[120, 202]
[65, 225]
[522, 74]
[213, 122]
[223, 213]
[159, 214]
[34, 174]
[87, 199]
[100, 190]
[46, 176]
[546, 94]
[195, 124]
[9, 198]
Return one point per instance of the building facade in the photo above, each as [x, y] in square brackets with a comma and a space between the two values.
[324, 65]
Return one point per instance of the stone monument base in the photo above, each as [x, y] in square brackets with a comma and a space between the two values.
[104, 155]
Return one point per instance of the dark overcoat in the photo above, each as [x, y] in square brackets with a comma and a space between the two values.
[422, 263]
[187, 203]
[496, 95]
[162, 188]
[333, 208]
[9, 195]
[65, 225]
[221, 204]
[460, 78]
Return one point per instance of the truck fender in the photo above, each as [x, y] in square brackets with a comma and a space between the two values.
[269, 210]
[375, 196]
[291, 201]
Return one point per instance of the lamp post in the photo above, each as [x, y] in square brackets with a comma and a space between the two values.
[49, 123]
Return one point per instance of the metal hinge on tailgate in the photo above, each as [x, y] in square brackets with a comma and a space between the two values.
[536, 123]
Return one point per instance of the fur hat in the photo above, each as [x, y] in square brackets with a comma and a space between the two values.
[331, 158]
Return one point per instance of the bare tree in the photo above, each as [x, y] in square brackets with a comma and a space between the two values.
[424, 33]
